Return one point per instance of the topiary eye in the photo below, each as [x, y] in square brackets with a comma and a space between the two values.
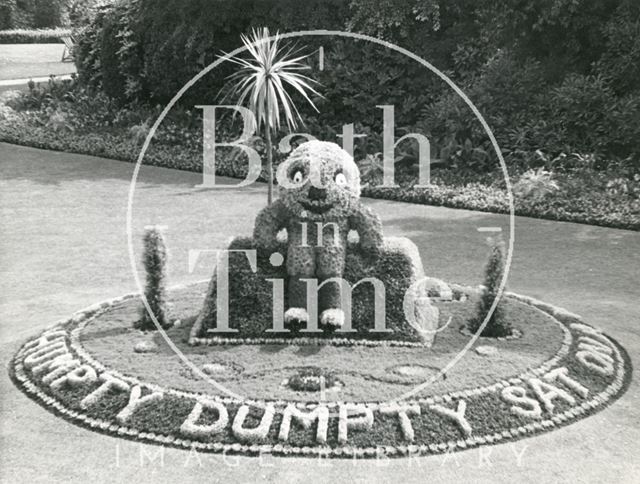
[341, 180]
[297, 177]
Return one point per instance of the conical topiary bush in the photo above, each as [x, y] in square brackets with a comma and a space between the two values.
[155, 260]
[497, 326]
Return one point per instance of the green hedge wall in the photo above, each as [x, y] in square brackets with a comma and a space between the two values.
[569, 81]
[24, 36]
[157, 46]
[38, 14]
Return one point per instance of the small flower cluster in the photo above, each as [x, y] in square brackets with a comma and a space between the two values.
[304, 341]
[515, 334]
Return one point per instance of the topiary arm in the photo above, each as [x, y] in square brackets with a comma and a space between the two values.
[369, 228]
[270, 220]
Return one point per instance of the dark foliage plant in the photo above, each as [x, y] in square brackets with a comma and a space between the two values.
[34, 14]
[155, 260]
[497, 325]
[567, 82]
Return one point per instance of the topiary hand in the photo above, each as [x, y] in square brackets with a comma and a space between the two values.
[369, 228]
[270, 220]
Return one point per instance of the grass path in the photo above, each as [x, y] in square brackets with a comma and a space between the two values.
[63, 247]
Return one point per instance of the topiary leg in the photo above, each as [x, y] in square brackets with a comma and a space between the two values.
[300, 265]
[330, 264]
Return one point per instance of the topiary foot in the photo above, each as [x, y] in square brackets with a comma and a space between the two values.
[296, 315]
[332, 317]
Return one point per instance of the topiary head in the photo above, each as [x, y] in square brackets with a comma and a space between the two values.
[319, 181]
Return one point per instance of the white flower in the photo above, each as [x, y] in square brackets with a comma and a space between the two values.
[191, 427]
[353, 416]
[258, 433]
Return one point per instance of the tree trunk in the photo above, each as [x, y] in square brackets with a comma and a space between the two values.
[267, 126]
[269, 166]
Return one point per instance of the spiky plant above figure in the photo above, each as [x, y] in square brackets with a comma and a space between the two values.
[498, 325]
[262, 82]
[155, 260]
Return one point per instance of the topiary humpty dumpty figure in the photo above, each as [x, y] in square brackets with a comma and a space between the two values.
[318, 205]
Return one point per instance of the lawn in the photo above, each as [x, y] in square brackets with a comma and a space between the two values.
[367, 373]
[24, 61]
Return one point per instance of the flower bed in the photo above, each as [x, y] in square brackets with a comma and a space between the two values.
[257, 366]
[588, 371]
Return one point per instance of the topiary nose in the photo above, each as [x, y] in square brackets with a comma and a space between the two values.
[317, 194]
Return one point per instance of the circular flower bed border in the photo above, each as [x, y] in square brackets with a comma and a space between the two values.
[588, 372]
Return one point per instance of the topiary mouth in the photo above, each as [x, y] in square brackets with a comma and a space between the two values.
[318, 208]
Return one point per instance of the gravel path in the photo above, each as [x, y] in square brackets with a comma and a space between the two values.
[64, 246]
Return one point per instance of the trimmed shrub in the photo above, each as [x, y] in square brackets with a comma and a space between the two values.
[155, 260]
[37, 36]
[497, 326]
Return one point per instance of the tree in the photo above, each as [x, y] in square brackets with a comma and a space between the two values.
[393, 19]
[498, 325]
[261, 82]
[155, 260]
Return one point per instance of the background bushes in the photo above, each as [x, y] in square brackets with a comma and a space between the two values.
[558, 81]
[44, 14]
[63, 115]
[39, 14]
[559, 76]
[161, 45]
